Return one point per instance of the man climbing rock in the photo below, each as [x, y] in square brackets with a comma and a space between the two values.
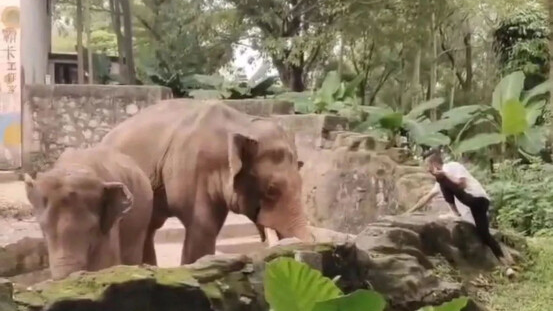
[459, 186]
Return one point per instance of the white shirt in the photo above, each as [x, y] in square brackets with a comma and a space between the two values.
[473, 187]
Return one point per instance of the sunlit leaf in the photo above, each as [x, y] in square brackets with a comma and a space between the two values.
[293, 286]
[513, 117]
[510, 87]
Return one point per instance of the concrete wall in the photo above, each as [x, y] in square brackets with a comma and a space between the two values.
[36, 39]
[59, 116]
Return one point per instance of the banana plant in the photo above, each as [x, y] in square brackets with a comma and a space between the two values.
[513, 115]
[216, 87]
[421, 130]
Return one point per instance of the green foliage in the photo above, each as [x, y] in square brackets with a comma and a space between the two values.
[294, 286]
[216, 87]
[421, 130]
[533, 289]
[334, 96]
[514, 116]
[521, 43]
[522, 197]
[179, 38]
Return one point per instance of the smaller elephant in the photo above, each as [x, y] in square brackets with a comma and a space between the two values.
[94, 208]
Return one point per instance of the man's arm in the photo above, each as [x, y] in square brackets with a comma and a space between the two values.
[424, 200]
[454, 209]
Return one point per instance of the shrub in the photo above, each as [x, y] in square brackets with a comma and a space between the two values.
[522, 197]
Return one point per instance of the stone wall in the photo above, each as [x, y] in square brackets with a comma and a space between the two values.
[350, 179]
[61, 116]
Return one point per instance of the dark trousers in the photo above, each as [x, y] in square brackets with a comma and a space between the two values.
[478, 207]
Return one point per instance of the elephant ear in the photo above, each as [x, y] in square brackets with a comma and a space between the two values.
[241, 152]
[117, 201]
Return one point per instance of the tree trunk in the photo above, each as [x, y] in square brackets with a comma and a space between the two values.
[129, 54]
[468, 59]
[550, 9]
[80, 56]
[415, 81]
[115, 9]
[290, 75]
[433, 65]
[89, 44]
[341, 57]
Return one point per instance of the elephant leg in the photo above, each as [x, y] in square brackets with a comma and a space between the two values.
[159, 216]
[202, 231]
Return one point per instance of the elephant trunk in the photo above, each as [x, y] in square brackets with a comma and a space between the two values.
[297, 228]
[60, 268]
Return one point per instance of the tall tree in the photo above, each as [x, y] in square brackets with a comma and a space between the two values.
[80, 54]
[88, 30]
[126, 10]
[115, 10]
[293, 33]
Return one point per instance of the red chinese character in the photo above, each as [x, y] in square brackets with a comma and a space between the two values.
[11, 66]
[10, 34]
[9, 78]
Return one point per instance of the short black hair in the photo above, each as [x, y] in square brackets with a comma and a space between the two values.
[433, 156]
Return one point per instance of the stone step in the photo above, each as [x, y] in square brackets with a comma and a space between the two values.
[9, 176]
[235, 226]
[169, 254]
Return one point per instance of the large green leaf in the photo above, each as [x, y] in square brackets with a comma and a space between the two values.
[423, 134]
[360, 300]
[479, 141]
[330, 86]
[375, 114]
[293, 286]
[457, 304]
[435, 139]
[462, 111]
[508, 88]
[533, 111]
[533, 140]
[215, 80]
[539, 89]
[351, 86]
[513, 117]
[422, 107]
[392, 121]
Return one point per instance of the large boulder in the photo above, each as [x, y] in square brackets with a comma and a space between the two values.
[350, 179]
[413, 261]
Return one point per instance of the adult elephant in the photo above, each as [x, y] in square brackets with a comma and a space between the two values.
[206, 158]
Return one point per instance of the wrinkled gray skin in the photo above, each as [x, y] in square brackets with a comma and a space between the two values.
[204, 159]
[94, 207]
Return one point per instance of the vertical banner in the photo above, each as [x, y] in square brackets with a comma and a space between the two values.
[10, 85]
